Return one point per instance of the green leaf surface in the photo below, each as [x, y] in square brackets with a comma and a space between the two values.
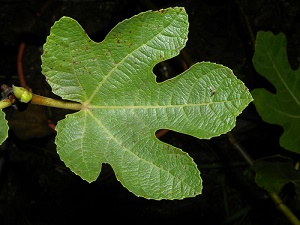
[283, 107]
[273, 173]
[3, 127]
[123, 105]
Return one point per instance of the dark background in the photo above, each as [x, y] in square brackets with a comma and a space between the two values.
[37, 188]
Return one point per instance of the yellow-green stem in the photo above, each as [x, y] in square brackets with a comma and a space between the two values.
[41, 100]
[283, 208]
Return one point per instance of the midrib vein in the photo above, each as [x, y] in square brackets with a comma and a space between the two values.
[155, 106]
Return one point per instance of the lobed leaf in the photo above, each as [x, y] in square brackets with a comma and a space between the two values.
[283, 107]
[123, 106]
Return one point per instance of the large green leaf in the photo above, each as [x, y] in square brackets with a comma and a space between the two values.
[123, 105]
[283, 108]
[3, 127]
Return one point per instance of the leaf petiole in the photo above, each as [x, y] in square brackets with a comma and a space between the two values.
[63, 104]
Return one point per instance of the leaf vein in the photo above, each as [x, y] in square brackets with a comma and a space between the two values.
[284, 113]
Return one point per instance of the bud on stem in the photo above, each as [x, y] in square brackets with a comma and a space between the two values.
[22, 94]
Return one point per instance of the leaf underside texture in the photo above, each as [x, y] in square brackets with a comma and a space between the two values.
[123, 105]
